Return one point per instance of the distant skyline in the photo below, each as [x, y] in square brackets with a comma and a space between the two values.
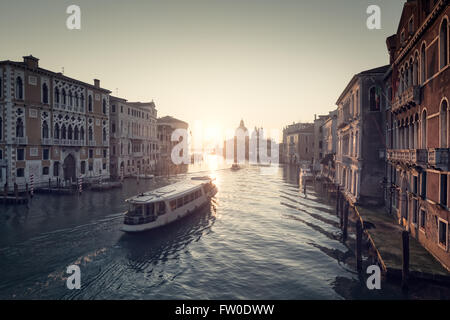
[218, 61]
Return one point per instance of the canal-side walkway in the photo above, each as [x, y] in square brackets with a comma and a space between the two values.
[385, 236]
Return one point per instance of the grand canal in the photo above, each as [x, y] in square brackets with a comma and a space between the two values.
[259, 239]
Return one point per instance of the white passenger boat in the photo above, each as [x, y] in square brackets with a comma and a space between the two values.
[165, 205]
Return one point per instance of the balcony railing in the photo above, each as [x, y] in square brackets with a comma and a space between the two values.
[21, 140]
[92, 143]
[409, 97]
[415, 156]
[47, 141]
[3, 163]
[439, 158]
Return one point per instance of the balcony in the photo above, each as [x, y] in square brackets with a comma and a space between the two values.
[411, 157]
[47, 141]
[439, 158]
[419, 156]
[106, 143]
[92, 143]
[409, 98]
[3, 163]
[21, 140]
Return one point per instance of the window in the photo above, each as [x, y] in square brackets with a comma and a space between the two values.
[90, 103]
[104, 166]
[56, 131]
[44, 93]
[76, 134]
[443, 190]
[44, 130]
[45, 171]
[90, 134]
[64, 97]
[423, 188]
[19, 128]
[443, 44]
[83, 167]
[70, 133]
[104, 153]
[1, 128]
[45, 154]
[20, 154]
[415, 184]
[423, 219]
[443, 117]
[374, 99]
[91, 153]
[82, 101]
[424, 129]
[423, 73]
[82, 133]
[19, 88]
[104, 106]
[91, 167]
[104, 134]
[56, 95]
[20, 172]
[63, 132]
[443, 233]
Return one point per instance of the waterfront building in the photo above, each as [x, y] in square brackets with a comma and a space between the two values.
[298, 140]
[52, 127]
[134, 143]
[165, 127]
[328, 133]
[360, 139]
[318, 141]
[418, 124]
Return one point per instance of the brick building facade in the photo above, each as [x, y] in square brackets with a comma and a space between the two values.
[418, 124]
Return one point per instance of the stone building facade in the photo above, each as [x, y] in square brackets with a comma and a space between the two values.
[51, 126]
[418, 124]
[328, 133]
[134, 143]
[298, 140]
[360, 138]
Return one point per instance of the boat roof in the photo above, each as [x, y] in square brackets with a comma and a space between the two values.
[169, 192]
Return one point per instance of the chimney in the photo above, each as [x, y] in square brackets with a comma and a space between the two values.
[31, 62]
[96, 83]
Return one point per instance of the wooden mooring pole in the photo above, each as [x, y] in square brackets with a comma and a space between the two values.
[341, 216]
[359, 231]
[345, 223]
[338, 196]
[405, 269]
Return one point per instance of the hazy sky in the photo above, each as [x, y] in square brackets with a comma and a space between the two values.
[270, 62]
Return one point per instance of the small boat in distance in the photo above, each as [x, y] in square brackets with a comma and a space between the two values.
[144, 176]
[165, 205]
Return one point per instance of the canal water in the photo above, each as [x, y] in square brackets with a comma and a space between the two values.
[261, 238]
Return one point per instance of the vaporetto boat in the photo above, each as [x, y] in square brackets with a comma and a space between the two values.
[165, 205]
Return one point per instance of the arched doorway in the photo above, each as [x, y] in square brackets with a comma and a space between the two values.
[69, 167]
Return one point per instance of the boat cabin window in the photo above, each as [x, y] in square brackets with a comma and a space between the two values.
[179, 202]
[161, 208]
[173, 205]
[149, 209]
